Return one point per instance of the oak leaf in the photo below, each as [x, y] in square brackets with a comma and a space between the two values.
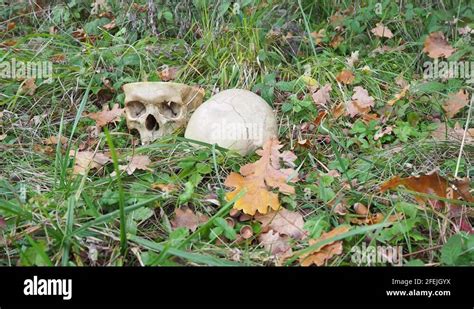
[87, 160]
[321, 254]
[285, 222]
[382, 31]
[168, 73]
[185, 217]
[139, 162]
[436, 185]
[106, 116]
[436, 46]
[455, 102]
[446, 133]
[399, 95]
[361, 102]
[321, 96]
[276, 244]
[28, 87]
[353, 59]
[345, 77]
[255, 179]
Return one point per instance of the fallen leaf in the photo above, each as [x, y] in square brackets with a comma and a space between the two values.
[376, 219]
[465, 30]
[382, 31]
[165, 187]
[338, 110]
[353, 59]
[321, 254]
[11, 25]
[258, 177]
[446, 133]
[168, 73]
[285, 222]
[8, 43]
[28, 87]
[318, 36]
[321, 116]
[436, 185]
[110, 25]
[336, 41]
[106, 116]
[79, 34]
[139, 162]
[59, 58]
[399, 95]
[361, 102]
[87, 160]
[275, 244]
[53, 140]
[185, 217]
[455, 102]
[387, 130]
[322, 96]
[436, 46]
[345, 77]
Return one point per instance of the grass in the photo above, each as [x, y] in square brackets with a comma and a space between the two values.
[55, 217]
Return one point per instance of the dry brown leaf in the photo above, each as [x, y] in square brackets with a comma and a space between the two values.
[353, 59]
[436, 46]
[436, 185]
[321, 254]
[185, 217]
[455, 102]
[446, 133]
[318, 36]
[140, 162]
[87, 160]
[382, 31]
[285, 222]
[275, 244]
[399, 95]
[361, 102]
[79, 34]
[59, 58]
[28, 87]
[53, 140]
[107, 116]
[11, 25]
[322, 96]
[383, 132]
[165, 187]
[336, 41]
[168, 73]
[257, 178]
[345, 77]
[377, 218]
[110, 25]
[8, 43]
[338, 110]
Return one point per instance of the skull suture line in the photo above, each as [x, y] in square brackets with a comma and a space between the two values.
[156, 109]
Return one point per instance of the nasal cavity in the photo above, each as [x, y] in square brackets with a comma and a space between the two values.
[151, 123]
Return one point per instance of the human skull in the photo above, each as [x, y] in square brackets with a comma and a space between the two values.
[235, 119]
[156, 109]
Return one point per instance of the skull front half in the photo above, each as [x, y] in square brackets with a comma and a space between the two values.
[156, 109]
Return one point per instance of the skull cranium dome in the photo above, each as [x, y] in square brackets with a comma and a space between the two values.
[235, 119]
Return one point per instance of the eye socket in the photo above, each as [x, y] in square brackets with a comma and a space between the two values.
[151, 123]
[170, 109]
[135, 109]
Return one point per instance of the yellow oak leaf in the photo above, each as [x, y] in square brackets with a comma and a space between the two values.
[256, 179]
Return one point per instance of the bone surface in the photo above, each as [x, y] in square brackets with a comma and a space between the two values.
[156, 109]
[235, 119]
